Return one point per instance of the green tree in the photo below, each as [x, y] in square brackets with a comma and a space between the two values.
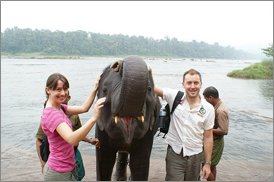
[268, 51]
[16, 41]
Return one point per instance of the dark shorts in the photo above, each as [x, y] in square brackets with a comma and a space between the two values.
[217, 151]
[179, 168]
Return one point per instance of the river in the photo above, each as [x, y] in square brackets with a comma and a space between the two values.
[250, 102]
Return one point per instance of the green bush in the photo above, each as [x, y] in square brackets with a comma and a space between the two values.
[263, 70]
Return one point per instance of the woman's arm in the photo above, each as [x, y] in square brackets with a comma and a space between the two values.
[75, 137]
[72, 110]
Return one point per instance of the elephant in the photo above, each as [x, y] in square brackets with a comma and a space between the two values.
[128, 121]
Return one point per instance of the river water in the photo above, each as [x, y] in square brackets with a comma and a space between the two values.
[250, 102]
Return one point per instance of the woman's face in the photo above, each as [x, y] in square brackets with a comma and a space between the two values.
[59, 94]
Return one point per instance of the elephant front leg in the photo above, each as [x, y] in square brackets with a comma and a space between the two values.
[139, 169]
[107, 156]
[121, 166]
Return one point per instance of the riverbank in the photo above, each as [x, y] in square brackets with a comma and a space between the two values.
[262, 70]
[20, 164]
[42, 56]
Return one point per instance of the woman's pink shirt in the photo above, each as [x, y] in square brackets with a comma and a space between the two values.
[61, 157]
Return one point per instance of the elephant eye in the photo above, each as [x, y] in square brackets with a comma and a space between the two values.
[149, 88]
[105, 89]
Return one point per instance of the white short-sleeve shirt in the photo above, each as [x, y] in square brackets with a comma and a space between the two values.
[187, 126]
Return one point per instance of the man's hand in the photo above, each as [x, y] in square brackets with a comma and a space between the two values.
[42, 165]
[95, 141]
[149, 70]
[206, 171]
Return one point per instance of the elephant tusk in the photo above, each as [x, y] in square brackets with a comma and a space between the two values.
[116, 119]
[143, 119]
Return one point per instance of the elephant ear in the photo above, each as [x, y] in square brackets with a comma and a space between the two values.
[152, 121]
[100, 125]
[116, 66]
[155, 118]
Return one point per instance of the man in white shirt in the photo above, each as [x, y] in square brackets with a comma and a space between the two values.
[191, 123]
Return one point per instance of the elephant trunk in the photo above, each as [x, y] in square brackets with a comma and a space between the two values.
[134, 87]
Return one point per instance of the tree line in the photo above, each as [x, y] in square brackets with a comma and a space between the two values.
[82, 43]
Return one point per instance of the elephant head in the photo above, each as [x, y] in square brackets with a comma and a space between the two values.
[129, 109]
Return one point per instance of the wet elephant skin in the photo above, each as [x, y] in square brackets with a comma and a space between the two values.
[129, 120]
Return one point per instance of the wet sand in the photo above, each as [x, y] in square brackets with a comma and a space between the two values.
[19, 164]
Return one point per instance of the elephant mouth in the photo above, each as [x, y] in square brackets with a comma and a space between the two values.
[126, 123]
[127, 119]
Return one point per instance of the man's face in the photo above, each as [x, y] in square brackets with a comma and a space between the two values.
[192, 85]
[66, 100]
[209, 99]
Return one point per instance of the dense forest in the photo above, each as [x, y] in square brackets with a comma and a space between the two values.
[45, 42]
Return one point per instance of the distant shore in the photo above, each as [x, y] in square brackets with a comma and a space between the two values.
[20, 164]
[262, 70]
[41, 56]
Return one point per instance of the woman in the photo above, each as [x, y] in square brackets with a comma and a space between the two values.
[58, 128]
[76, 124]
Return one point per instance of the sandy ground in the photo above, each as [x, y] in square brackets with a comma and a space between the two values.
[18, 164]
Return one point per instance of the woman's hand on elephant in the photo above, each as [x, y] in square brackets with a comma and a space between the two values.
[97, 82]
[97, 108]
[95, 141]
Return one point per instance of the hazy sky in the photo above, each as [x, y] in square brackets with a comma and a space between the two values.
[244, 24]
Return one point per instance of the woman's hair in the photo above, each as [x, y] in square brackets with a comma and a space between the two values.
[211, 91]
[52, 83]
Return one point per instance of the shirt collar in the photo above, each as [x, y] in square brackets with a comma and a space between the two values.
[201, 105]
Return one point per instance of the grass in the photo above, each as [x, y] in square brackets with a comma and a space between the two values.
[263, 70]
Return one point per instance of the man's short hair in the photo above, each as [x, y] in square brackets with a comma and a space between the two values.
[192, 72]
[211, 91]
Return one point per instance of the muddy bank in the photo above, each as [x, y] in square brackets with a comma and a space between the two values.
[19, 164]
